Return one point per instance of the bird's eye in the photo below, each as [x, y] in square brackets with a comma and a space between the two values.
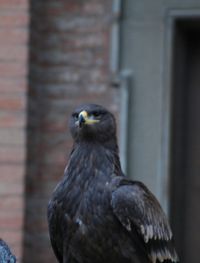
[96, 114]
[75, 116]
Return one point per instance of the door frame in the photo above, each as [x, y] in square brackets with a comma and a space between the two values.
[171, 17]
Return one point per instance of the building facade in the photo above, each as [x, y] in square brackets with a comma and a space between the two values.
[54, 56]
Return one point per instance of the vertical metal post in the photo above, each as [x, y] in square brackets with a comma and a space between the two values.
[122, 80]
[115, 34]
[125, 95]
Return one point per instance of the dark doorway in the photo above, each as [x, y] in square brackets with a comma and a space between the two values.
[185, 162]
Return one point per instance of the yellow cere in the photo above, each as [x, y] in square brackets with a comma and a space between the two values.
[84, 114]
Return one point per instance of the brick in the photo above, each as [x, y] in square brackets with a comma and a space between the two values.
[50, 172]
[12, 102]
[16, 36]
[39, 204]
[55, 157]
[94, 40]
[13, 19]
[14, 85]
[56, 74]
[12, 155]
[13, 4]
[12, 173]
[13, 53]
[61, 91]
[38, 190]
[79, 24]
[12, 237]
[69, 65]
[11, 221]
[46, 255]
[31, 238]
[61, 57]
[57, 126]
[13, 69]
[38, 224]
[72, 6]
[43, 255]
[7, 188]
[10, 206]
[12, 119]
[94, 8]
[13, 137]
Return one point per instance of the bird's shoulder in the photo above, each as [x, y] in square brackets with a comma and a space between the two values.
[138, 209]
[133, 200]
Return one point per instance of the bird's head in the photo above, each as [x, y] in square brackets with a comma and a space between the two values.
[93, 123]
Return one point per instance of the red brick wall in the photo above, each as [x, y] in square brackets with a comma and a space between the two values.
[69, 65]
[14, 33]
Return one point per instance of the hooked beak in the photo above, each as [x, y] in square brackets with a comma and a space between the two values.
[84, 118]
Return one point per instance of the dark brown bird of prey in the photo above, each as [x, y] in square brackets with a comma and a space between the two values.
[96, 214]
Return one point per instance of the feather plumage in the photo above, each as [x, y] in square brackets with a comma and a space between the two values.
[95, 214]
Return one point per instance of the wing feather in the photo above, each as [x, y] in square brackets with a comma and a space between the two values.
[136, 207]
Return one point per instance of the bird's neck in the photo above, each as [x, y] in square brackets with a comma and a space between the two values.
[88, 157]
